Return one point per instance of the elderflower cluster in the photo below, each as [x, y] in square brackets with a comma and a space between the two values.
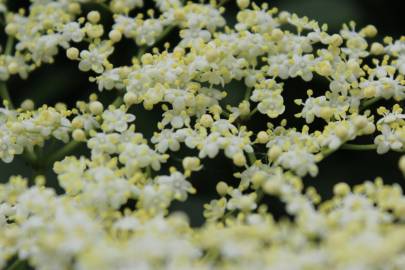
[112, 207]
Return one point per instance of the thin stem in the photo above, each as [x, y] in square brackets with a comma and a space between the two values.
[222, 3]
[358, 147]
[327, 153]
[105, 7]
[141, 52]
[148, 171]
[30, 156]
[248, 93]
[64, 151]
[369, 103]
[253, 112]
[349, 146]
[9, 45]
[118, 101]
[260, 195]
[16, 264]
[4, 94]
[251, 157]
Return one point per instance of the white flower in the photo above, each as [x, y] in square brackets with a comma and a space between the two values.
[95, 58]
[176, 184]
[116, 120]
[300, 161]
[136, 156]
[72, 32]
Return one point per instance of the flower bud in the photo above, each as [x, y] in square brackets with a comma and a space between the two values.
[93, 16]
[72, 53]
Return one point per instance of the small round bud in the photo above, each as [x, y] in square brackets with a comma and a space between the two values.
[244, 108]
[324, 68]
[336, 40]
[284, 16]
[222, 188]
[60, 107]
[206, 120]
[79, 135]
[246, 203]
[147, 59]
[130, 99]
[277, 34]
[341, 189]
[211, 55]
[239, 159]
[262, 137]
[11, 29]
[77, 122]
[47, 24]
[179, 52]
[179, 14]
[274, 152]
[242, 4]
[377, 48]
[341, 131]
[369, 31]
[326, 113]
[40, 180]
[271, 187]
[13, 68]
[360, 122]
[27, 105]
[96, 107]
[369, 92]
[74, 8]
[72, 53]
[93, 16]
[352, 65]
[115, 36]
[95, 31]
[369, 129]
[191, 163]
[258, 178]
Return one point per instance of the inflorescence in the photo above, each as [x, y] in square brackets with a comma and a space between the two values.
[89, 226]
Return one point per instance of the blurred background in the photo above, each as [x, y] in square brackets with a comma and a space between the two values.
[63, 82]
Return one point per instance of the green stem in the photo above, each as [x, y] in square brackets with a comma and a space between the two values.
[260, 195]
[349, 146]
[64, 151]
[253, 112]
[105, 7]
[148, 172]
[30, 156]
[141, 51]
[9, 45]
[164, 34]
[222, 3]
[327, 153]
[118, 101]
[16, 265]
[369, 103]
[4, 94]
[251, 158]
[248, 93]
[358, 147]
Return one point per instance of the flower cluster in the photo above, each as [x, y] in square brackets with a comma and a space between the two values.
[114, 208]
